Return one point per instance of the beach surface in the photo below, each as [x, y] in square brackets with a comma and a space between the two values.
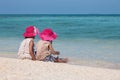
[16, 69]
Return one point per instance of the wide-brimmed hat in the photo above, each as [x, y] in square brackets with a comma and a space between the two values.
[48, 34]
[31, 31]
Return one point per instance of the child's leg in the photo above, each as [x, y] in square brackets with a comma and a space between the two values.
[61, 60]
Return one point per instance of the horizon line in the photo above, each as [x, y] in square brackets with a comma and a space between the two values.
[61, 14]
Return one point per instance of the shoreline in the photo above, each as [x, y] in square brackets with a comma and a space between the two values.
[96, 63]
[16, 69]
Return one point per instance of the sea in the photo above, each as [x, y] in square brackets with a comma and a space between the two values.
[85, 39]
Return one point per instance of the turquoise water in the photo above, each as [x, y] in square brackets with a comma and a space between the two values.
[93, 37]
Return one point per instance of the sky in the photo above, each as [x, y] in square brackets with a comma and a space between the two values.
[59, 6]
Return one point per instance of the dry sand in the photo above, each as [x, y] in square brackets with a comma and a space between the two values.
[16, 69]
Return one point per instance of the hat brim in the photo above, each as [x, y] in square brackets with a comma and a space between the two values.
[46, 37]
[29, 34]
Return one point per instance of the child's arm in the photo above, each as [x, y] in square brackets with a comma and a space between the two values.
[52, 50]
[31, 50]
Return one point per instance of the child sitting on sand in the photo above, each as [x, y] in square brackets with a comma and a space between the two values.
[45, 49]
[26, 50]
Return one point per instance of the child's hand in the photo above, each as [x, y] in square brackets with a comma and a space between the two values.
[33, 59]
[57, 52]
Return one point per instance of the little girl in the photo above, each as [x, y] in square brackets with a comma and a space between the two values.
[45, 50]
[26, 50]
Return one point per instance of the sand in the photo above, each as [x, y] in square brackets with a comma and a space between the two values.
[16, 69]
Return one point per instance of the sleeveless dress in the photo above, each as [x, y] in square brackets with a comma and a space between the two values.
[23, 52]
[43, 53]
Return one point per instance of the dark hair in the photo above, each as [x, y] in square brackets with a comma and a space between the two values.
[30, 37]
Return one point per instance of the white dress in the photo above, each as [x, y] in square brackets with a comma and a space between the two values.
[23, 52]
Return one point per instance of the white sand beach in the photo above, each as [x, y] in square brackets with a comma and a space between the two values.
[16, 69]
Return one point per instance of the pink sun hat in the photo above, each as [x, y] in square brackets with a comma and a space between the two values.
[31, 31]
[48, 34]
